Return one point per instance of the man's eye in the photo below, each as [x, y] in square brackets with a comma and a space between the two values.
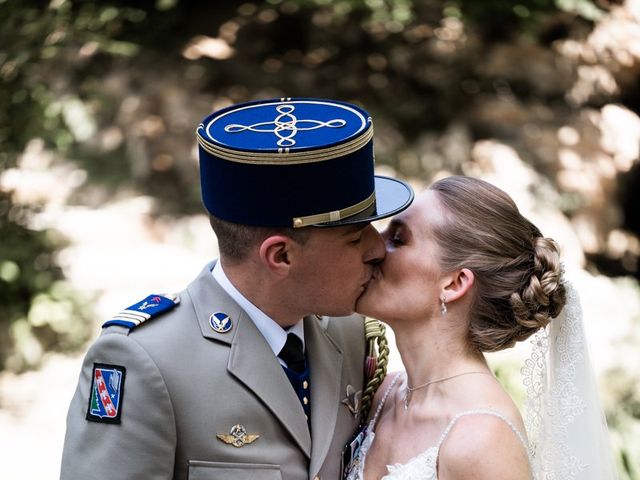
[356, 241]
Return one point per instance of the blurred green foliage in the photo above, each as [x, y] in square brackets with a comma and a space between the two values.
[39, 311]
[40, 59]
[109, 86]
[495, 17]
[42, 53]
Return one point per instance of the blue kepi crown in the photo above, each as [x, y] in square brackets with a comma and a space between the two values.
[294, 162]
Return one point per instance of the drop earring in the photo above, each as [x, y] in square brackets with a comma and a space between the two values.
[443, 306]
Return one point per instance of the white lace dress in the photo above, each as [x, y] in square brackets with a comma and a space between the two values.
[424, 465]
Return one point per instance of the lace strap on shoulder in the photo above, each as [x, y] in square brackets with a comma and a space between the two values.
[384, 398]
[499, 415]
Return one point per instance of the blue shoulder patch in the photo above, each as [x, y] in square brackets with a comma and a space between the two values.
[140, 312]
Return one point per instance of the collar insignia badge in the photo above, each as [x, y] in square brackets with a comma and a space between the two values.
[220, 322]
[353, 401]
[238, 436]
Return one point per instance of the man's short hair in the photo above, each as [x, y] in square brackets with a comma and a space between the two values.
[235, 240]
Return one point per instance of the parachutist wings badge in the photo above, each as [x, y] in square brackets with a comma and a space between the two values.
[238, 436]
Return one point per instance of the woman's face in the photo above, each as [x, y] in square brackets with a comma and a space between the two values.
[406, 286]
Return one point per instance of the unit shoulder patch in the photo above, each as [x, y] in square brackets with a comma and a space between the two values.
[107, 390]
[144, 310]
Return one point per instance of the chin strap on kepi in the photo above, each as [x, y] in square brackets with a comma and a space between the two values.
[375, 364]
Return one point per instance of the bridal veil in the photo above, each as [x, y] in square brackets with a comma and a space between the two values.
[568, 434]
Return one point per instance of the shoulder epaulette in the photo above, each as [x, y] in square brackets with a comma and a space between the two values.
[140, 312]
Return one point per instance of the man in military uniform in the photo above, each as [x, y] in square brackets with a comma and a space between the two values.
[255, 370]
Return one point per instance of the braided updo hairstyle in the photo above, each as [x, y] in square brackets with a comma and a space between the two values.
[518, 275]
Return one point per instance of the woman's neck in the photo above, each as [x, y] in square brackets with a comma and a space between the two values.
[433, 350]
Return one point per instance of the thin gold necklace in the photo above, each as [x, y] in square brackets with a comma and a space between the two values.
[409, 390]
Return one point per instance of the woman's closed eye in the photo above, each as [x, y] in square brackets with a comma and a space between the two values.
[396, 240]
[394, 237]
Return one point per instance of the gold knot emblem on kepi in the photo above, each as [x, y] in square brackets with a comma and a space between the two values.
[238, 436]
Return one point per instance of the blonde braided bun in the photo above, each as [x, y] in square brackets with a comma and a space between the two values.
[544, 296]
[518, 275]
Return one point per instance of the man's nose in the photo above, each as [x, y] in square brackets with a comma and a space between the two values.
[374, 244]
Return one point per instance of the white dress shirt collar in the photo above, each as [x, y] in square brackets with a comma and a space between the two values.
[273, 333]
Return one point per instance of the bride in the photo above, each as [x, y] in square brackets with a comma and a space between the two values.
[466, 273]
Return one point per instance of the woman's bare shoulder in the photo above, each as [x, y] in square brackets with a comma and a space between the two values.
[483, 446]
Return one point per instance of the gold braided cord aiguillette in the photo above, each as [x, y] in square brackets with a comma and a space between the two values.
[375, 337]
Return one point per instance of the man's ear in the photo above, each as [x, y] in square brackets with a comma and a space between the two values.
[457, 285]
[274, 254]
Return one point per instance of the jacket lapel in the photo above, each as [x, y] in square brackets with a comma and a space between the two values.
[254, 364]
[251, 360]
[325, 359]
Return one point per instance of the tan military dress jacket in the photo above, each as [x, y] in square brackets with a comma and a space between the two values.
[186, 383]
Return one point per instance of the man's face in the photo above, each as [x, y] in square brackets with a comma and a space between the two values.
[333, 268]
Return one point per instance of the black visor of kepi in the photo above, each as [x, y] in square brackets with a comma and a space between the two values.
[294, 163]
[392, 196]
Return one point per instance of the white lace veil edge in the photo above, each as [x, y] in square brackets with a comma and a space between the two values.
[566, 426]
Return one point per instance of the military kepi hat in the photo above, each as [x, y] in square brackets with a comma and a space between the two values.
[294, 162]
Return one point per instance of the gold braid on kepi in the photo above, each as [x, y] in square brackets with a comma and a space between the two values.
[375, 366]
